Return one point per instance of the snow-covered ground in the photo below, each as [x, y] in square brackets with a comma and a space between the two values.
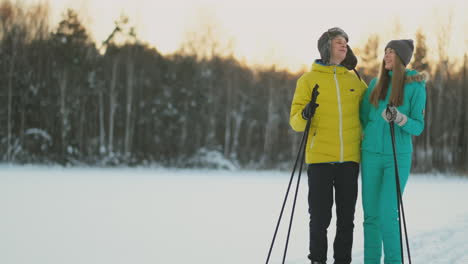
[162, 216]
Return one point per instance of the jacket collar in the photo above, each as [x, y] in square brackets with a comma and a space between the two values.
[320, 67]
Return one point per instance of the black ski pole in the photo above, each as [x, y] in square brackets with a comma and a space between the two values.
[297, 190]
[398, 188]
[298, 157]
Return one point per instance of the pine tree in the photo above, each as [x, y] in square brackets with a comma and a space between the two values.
[369, 56]
[420, 62]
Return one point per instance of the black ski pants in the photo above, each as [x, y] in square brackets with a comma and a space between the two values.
[324, 180]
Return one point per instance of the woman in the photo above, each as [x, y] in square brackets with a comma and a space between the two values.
[405, 90]
[332, 150]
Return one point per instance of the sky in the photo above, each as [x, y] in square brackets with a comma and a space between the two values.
[274, 31]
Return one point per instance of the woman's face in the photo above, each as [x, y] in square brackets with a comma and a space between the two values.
[338, 50]
[389, 59]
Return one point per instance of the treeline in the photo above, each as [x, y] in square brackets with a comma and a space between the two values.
[66, 101]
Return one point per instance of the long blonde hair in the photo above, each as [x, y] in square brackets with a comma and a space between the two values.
[398, 83]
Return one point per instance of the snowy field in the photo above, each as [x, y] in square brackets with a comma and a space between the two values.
[162, 216]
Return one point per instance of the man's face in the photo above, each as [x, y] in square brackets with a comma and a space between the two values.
[338, 49]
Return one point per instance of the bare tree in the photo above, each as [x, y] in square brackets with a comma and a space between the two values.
[10, 99]
[112, 106]
[229, 111]
[102, 130]
[422, 143]
[203, 40]
[397, 28]
[64, 113]
[128, 118]
[9, 33]
[443, 91]
[463, 135]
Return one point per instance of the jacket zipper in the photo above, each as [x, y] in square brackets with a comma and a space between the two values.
[339, 114]
[313, 139]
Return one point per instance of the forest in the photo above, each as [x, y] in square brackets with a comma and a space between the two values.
[70, 101]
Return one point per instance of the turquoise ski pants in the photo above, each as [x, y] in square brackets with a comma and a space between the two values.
[379, 201]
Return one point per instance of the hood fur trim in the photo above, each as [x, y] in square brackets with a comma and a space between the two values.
[420, 77]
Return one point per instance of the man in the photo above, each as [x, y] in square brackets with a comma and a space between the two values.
[333, 145]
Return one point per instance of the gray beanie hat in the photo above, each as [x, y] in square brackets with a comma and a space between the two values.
[324, 47]
[403, 48]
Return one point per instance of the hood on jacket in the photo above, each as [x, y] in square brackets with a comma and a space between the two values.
[414, 76]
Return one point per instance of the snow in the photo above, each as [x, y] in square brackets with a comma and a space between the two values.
[212, 159]
[39, 132]
[53, 215]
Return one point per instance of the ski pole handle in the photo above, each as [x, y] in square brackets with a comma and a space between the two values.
[390, 113]
[315, 93]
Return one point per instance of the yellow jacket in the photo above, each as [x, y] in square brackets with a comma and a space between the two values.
[335, 131]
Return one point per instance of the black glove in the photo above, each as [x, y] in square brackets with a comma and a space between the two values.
[309, 110]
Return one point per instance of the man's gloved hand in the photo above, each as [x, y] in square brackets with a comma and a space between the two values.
[391, 114]
[309, 110]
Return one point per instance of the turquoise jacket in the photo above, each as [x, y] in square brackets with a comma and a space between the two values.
[377, 137]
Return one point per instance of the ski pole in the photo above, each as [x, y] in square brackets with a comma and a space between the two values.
[301, 150]
[297, 190]
[398, 187]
